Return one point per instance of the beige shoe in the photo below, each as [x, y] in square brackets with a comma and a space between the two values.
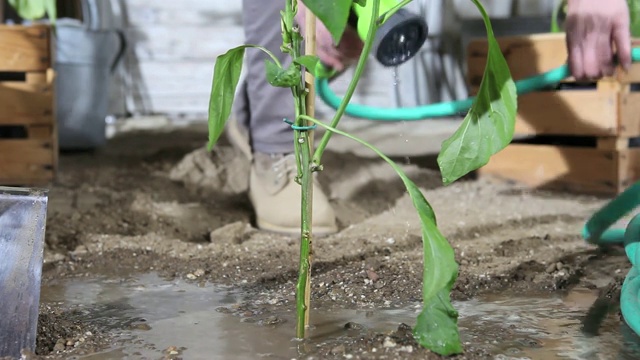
[275, 196]
[238, 136]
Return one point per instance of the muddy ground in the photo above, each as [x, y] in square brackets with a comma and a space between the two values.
[158, 201]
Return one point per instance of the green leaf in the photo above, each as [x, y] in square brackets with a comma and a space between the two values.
[436, 328]
[489, 125]
[29, 9]
[226, 75]
[437, 325]
[315, 67]
[634, 13]
[334, 14]
[308, 61]
[280, 77]
[362, 3]
[52, 10]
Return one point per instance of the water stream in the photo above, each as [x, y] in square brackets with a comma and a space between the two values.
[146, 314]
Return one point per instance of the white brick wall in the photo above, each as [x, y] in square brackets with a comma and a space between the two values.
[174, 46]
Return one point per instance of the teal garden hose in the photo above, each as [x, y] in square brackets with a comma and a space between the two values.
[443, 109]
[596, 231]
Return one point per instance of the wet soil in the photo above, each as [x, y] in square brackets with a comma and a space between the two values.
[156, 201]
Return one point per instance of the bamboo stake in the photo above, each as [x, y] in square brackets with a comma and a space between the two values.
[309, 49]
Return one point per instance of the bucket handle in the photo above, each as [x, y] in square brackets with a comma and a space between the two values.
[123, 47]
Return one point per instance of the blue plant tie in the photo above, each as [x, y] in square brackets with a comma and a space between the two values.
[300, 128]
[597, 231]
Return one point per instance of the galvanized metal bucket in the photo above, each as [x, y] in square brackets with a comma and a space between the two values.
[23, 214]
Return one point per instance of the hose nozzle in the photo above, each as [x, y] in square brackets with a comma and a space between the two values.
[398, 39]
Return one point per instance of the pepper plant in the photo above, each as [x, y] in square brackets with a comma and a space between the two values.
[487, 128]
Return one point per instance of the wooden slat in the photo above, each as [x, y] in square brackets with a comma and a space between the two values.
[26, 120]
[26, 162]
[24, 48]
[630, 114]
[586, 170]
[571, 112]
[40, 132]
[25, 175]
[612, 143]
[628, 168]
[37, 77]
[530, 55]
[526, 55]
[25, 100]
[25, 151]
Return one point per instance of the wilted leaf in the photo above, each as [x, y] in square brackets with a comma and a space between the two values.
[226, 75]
[489, 125]
[436, 327]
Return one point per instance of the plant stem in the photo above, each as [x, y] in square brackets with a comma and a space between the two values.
[303, 293]
[303, 146]
[368, 44]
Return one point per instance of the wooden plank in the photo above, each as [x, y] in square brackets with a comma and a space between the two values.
[40, 132]
[24, 48]
[570, 112]
[39, 77]
[530, 55]
[25, 175]
[25, 151]
[629, 168]
[612, 143]
[27, 162]
[630, 114]
[586, 170]
[526, 55]
[24, 100]
[27, 120]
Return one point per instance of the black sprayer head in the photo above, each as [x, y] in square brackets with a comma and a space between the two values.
[399, 38]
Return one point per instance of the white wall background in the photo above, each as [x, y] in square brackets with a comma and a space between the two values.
[173, 46]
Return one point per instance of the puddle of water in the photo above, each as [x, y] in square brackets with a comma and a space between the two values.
[176, 313]
[573, 326]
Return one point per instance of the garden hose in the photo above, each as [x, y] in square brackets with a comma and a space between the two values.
[597, 231]
[443, 109]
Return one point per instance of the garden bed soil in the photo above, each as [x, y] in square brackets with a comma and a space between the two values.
[157, 201]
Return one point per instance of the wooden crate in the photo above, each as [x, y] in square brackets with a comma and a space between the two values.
[574, 137]
[28, 134]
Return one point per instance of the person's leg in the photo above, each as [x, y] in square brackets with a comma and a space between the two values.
[267, 105]
[260, 109]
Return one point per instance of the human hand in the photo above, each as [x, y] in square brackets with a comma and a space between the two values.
[337, 57]
[592, 27]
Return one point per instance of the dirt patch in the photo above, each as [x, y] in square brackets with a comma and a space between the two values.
[157, 201]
